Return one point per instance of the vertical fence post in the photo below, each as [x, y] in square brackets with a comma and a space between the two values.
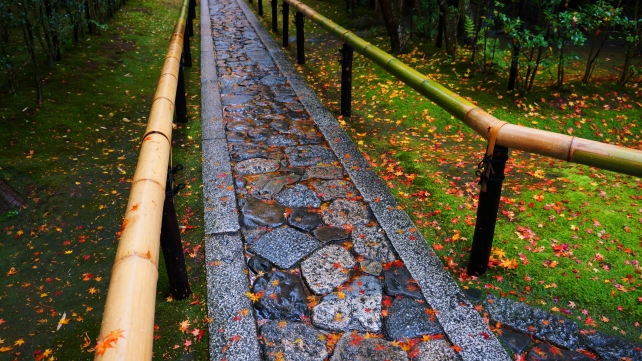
[191, 15]
[171, 242]
[180, 104]
[186, 56]
[260, 7]
[346, 80]
[300, 39]
[286, 19]
[487, 212]
[275, 26]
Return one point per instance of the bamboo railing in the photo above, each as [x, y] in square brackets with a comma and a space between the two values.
[127, 328]
[560, 146]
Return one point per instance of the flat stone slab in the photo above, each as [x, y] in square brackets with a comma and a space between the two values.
[372, 244]
[270, 184]
[305, 219]
[298, 196]
[397, 281]
[612, 349]
[282, 296]
[324, 172]
[256, 166]
[285, 246]
[356, 307]
[546, 352]
[408, 318]
[292, 341]
[329, 233]
[344, 212]
[327, 268]
[371, 267]
[435, 350]
[516, 341]
[333, 189]
[307, 155]
[519, 316]
[353, 346]
[258, 213]
[260, 265]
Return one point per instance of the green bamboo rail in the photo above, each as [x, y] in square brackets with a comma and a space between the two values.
[127, 327]
[560, 146]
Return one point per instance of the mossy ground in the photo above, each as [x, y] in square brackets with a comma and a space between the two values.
[568, 236]
[72, 159]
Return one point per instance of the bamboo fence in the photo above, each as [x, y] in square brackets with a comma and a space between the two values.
[560, 146]
[127, 328]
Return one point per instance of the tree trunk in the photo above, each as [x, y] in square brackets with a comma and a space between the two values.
[450, 29]
[512, 76]
[30, 42]
[440, 30]
[392, 19]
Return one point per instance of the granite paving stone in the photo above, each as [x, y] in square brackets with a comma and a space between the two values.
[372, 244]
[333, 189]
[556, 329]
[305, 219]
[298, 196]
[324, 172]
[330, 233]
[256, 166]
[354, 346]
[292, 341]
[408, 318]
[282, 296]
[371, 267]
[516, 341]
[344, 212]
[327, 268]
[258, 213]
[435, 350]
[546, 352]
[285, 246]
[356, 307]
[610, 348]
[397, 281]
[307, 155]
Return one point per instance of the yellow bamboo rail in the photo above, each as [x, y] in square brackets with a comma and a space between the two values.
[127, 328]
[560, 146]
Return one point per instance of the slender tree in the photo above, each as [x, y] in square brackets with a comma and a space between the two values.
[391, 10]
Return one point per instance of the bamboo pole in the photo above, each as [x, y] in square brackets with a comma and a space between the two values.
[560, 146]
[127, 327]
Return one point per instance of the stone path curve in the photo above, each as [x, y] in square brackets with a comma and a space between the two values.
[308, 255]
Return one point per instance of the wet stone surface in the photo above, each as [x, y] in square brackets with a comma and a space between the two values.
[372, 244]
[342, 212]
[612, 349]
[308, 155]
[324, 172]
[285, 246]
[305, 219]
[356, 307]
[546, 352]
[371, 267]
[355, 347]
[408, 318]
[519, 316]
[333, 189]
[256, 166]
[435, 350]
[258, 213]
[329, 233]
[327, 268]
[398, 282]
[267, 185]
[260, 265]
[292, 341]
[517, 342]
[283, 296]
[298, 196]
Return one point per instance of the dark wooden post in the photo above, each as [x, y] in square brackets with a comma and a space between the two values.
[186, 58]
[260, 7]
[180, 103]
[346, 80]
[171, 242]
[491, 181]
[275, 25]
[300, 39]
[286, 19]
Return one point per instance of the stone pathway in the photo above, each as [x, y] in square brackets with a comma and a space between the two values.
[308, 255]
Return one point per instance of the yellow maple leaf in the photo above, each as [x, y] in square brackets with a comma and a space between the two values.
[184, 326]
[6, 348]
[254, 297]
[19, 342]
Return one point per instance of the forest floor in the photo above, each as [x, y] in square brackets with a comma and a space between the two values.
[567, 238]
[72, 160]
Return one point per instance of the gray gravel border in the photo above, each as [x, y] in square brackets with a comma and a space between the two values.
[233, 330]
[462, 324]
